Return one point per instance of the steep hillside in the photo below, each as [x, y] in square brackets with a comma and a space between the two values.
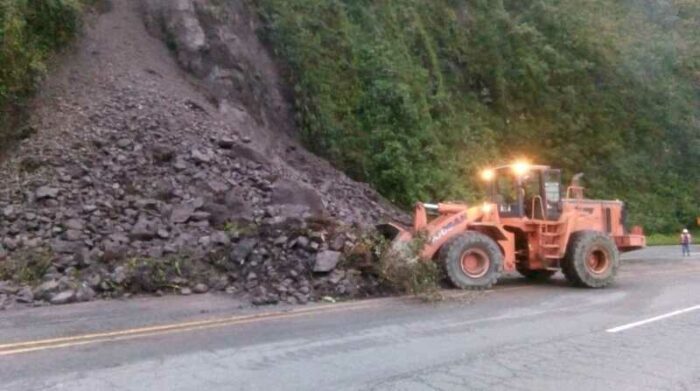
[161, 165]
[413, 96]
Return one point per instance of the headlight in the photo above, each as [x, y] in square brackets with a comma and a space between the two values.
[521, 168]
[488, 175]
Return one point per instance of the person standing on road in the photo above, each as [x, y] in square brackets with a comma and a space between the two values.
[685, 242]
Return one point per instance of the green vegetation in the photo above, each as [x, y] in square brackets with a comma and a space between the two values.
[26, 266]
[404, 270]
[668, 239]
[30, 30]
[413, 96]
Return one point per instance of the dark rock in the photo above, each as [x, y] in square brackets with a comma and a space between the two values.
[180, 164]
[25, 295]
[338, 243]
[326, 261]
[123, 143]
[301, 297]
[45, 192]
[218, 186]
[73, 235]
[200, 288]
[163, 233]
[85, 293]
[8, 287]
[147, 203]
[11, 243]
[64, 297]
[201, 157]
[113, 251]
[9, 213]
[302, 242]
[200, 216]
[94, 280]
[119, 275]
[30, 243]
[119, 237]
[226, 142]
[143, 230]
[46, 289]
[288, 193]
[162, 153]
[336, 276]
[220, 238]
[65, 247]
[182, 213]
[185, 291]
[240, 251]
[74, 224]
[155, 252]
[205, 241]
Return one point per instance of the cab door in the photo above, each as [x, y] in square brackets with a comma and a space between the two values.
[551, 193]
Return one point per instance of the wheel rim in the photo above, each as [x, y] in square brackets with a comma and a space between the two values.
[475, 263]
[597, 261]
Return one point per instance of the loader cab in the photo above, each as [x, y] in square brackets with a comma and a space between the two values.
[526, 191]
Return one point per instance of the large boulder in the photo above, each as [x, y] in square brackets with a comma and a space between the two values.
[294, 198]
[65, 297]
[326, 261]
[177, 19]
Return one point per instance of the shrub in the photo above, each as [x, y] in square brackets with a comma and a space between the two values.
[401, 266]
[30, 30]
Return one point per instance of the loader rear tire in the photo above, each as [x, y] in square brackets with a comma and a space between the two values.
[472, 260]
[591, 260]
[535, 275]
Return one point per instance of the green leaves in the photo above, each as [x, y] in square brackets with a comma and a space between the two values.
[29, 31]
[413, 96]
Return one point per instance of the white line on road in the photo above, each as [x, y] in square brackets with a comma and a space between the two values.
[650, 320]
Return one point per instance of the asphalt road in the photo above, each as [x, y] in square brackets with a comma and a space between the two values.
[642, 333]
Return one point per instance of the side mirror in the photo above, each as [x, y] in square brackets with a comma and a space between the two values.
[576, 180]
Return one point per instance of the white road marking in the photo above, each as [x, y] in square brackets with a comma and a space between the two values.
[650, 320]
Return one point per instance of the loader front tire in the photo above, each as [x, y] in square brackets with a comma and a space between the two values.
[472, 260]
[591, 260]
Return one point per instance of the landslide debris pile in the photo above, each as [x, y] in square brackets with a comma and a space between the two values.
[142, 178]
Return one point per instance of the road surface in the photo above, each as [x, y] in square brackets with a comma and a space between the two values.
[643, 333]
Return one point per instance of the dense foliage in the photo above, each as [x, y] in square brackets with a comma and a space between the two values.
[414, 95]
[29, 31]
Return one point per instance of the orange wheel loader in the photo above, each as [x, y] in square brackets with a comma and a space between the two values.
[530, 225]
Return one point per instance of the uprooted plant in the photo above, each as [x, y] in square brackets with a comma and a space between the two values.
[402, 267]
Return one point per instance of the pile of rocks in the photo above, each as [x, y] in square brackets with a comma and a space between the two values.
[139, 185]
[132, 169]
[290, 263]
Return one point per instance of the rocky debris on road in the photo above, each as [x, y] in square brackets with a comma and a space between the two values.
[269, 264]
